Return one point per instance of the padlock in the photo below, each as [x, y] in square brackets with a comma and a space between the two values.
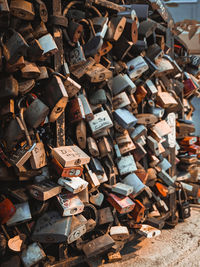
[20, 194]
[48, 45]
[164, 165]
[183, 205]
[96, 166]
[76, 110]
[119, 233]
[100, 122]
[131, 28]
[92, 179]
[32, 254]
[92, 147]
[121, 48]
[16, 66]
[75, 30]
[7, 110]
[151, 89]
[121, 83]
[36, 112]
[22, 10]
[73, 184]
[122, 189]
[115, 28]
[125, 118]
[96, 198]
[76, 57]
[41, 10]
[164, 67]
[51, 228]
[121, 100]
[56, 97]
[140, 9]
[132, 180]
[70, 156]
[98, 97]
[146, 28]
[81, 70]
[75, 171]
[166, 178]
[21, 215]
[104, 147]
[71, 87]
[14, 46]
[140, 94]
[105, 216]
[99, 245]
[40, 31]
[77, 229]
[162, 128]
[7, 210]
[98, 73]
[26, 86]
[136, 67]
[137, 214]
[156, 111]
[9, 88]
[122, 204]
[149, 231]
[126, 164]
[81, 134]
[139, 131]
[142, 175]
[125, 148]
[154, 52]
[44, 190]
[100, 25]
[188, 140]
[123, 138]
[86, 107]
[30, 71]
[69, 204]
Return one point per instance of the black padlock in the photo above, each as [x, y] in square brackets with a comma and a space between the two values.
[183, 205]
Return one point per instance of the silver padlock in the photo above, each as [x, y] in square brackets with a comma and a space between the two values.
[132, 180]
[121, 83]
[96, 198]
[73, 184]
[136, 67]
[48, 45]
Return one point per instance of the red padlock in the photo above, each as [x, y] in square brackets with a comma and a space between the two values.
[7, 210]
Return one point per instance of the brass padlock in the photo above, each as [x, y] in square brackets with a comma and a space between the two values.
[22, 10]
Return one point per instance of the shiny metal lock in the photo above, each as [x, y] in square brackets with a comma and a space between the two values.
[100, 122]
[21, 215]
[86, 106]
[32, 254]
[115, 28]
[44, 190]
[78, 228]
[92, 147]
[121, 83]
[132, 180]
[105, 215]
[69, 204]
[74, 184]
[96, 198]
[121, 203]
[136, 67]
[76, 57]
[122, 189]
[14, 46]
[9, 88]
[99, 245]
[126, 164]
[121, 100]
[70, 156]
[81, 134]
[119, 233]
[76, 110]
[36, 113]
[164, 67]
[98, 73]
[56, 97]
[22, 10]
[71, 87]
[125, 118]
[51, 228]
[48, 45]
